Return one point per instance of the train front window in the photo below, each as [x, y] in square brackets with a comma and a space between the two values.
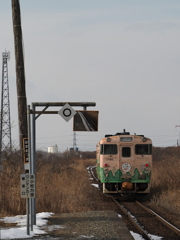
[126, 152]
[108, 149]
[143, 149]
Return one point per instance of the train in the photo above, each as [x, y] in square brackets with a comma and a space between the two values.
[124, 164]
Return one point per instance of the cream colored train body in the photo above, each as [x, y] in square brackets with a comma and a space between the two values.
[124, 163]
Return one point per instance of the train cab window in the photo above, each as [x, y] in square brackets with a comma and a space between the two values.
[143, 149]
[108, 149]
[126, 152]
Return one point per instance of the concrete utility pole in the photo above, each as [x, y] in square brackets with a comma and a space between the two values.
[20, 72]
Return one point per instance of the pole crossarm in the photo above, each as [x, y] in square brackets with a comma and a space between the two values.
[43, 112]
[56, 104]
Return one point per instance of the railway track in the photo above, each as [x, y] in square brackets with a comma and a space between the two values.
[143, 219]
[147, 222]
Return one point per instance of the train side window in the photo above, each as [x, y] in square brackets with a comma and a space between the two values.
[126, 151]
[143, 149]
[108, 149]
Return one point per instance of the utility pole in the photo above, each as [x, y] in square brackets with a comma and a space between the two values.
[5, 123]
[74, 142]
[20, 72]
[21, 92]
[178, 140]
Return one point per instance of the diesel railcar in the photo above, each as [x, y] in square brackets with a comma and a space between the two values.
[124, 163]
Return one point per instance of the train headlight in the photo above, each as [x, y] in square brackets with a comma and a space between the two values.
[108, 139]
[144, 139]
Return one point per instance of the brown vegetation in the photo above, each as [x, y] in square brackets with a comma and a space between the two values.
[63, 183]
[165, 188]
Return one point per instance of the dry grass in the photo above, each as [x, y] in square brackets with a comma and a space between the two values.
[166, 180]
[63, 184]
[10, 201]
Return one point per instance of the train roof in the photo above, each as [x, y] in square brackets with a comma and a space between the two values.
[125, 137]
[121, 133]
[118, 134]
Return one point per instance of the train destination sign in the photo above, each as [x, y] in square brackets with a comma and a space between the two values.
[86, 121]
[67, 112]
[126, 139]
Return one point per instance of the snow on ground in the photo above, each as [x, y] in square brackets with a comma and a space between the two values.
[20, 231]
[95, 185]
[139, 237]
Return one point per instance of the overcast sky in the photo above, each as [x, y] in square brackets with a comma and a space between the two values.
[123, 55]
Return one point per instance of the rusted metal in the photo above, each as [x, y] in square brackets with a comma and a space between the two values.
[43, 112]
[54, 104]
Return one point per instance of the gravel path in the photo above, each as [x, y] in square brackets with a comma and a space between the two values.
[95, 225]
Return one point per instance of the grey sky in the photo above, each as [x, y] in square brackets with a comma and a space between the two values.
[123, 55]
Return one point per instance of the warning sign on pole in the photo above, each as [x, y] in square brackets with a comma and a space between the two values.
[67, 112]
[27, 185]
[25, 150]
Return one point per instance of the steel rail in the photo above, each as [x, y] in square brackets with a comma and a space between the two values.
[92, 173]
[131, 219]
[162, 220]
[136, 225]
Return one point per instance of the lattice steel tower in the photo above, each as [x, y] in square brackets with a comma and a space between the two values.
[5, 127]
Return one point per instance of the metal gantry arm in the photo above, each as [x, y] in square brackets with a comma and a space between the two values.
[32, 135]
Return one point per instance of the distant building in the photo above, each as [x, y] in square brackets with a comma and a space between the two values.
[74, 150]
[53, 149]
